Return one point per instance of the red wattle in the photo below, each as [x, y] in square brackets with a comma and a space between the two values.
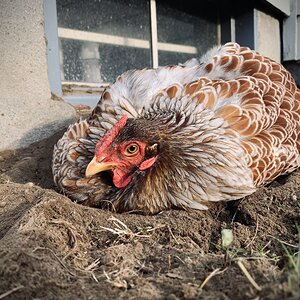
[147, 163]
[121, 179]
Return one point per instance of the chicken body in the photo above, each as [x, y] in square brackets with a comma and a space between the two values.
[212, 129]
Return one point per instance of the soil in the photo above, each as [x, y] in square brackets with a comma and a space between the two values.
[52, 248]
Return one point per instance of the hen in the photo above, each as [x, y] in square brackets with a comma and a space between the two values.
[211, 129]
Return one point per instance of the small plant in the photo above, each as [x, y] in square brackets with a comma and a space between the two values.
[293, 263]
[227, 240]
[230, 256]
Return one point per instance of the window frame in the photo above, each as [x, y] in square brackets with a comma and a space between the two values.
[68, 90]
[72, 91]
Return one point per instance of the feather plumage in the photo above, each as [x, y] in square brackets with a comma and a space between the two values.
[224, 125]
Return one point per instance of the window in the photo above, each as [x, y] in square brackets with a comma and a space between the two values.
[185, 31]
[100, 39]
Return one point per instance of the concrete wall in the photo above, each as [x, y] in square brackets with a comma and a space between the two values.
[291, 41]
[27, 112]
[268, 40]
[267, 35]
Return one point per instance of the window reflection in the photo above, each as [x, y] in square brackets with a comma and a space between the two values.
[103, 38]
[186, 25]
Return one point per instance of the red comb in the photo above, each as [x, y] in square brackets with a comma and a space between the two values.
[107, 139]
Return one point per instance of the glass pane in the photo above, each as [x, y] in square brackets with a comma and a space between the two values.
[185, 30]
[101, 39]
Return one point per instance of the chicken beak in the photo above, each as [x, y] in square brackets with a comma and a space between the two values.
[95, 167]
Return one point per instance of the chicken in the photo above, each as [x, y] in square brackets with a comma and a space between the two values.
[212, 129]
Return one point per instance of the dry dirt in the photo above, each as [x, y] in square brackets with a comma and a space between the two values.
[51, 248]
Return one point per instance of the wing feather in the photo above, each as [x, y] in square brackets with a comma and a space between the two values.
[259, 101]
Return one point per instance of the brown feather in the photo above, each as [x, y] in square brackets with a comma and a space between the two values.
[221, 126]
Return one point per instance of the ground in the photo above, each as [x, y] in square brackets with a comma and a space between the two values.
[52, 248]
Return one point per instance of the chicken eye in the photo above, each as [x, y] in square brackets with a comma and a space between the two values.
[132, 149]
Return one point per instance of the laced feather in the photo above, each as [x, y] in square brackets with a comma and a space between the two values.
[231, 121]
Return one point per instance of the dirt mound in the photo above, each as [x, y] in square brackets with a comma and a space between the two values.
[52, 248]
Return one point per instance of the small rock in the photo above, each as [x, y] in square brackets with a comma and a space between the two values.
[173, 275]
[294, 197]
